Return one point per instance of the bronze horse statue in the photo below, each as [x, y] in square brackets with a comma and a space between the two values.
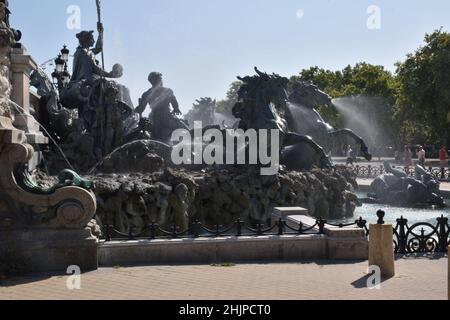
[263, 104]
[303, 118]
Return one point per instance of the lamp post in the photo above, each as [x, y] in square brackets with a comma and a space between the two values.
[59, 64]
[65, 76]
[65, 54]
[61, 75]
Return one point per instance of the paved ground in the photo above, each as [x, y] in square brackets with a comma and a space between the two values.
[421, 279]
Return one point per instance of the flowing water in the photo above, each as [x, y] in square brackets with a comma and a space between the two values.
[20, 109]
[224, 120]
[414, 215]
[357, 113]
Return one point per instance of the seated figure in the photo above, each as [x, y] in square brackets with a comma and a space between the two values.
[86, 74]
[103, 105]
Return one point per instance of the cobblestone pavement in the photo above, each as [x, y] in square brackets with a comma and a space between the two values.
[419, 278]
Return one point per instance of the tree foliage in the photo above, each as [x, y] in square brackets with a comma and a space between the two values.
[375, 84]
[423, 102]
[226, 106]
[202, 110]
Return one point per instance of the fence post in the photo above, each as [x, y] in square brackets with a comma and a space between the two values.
[108, 233]
[442, 233]
[153, 229]
[381, 246]
[369, 170]
[280, 227]
[360, 223]
[402, 241]
[239, 228]
[130, 233]
[196, 226]
[321, 224]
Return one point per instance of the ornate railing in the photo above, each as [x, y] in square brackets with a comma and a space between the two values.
[198, 230]
[375, 171]
[417, 238]
[421, 237]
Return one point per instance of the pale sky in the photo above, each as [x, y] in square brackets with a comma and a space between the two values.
[202, 45]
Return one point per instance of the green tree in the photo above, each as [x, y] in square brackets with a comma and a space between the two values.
[423, 102]
[226, 106]
[362, 80]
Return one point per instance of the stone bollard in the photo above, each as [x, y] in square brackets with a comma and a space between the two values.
[381, 247]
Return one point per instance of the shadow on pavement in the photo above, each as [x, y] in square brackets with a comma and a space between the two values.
[363, 282]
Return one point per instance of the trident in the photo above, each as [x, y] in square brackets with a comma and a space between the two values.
[99, 14]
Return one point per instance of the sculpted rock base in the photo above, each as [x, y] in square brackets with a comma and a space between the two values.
[218, 197]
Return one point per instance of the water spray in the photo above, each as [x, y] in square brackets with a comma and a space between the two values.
[20, 109]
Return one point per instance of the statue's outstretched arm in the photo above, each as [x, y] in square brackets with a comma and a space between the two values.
[102, 73]
[143, 102]
[141, 107]
[99, 45]
[175, 105]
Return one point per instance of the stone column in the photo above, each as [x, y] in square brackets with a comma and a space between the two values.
[22, 65]
[8, 134]
[381, 247]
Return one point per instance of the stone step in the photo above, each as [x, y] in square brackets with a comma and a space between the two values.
[284, 212]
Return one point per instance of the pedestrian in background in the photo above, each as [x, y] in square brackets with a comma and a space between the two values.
[421, 154]
[350, 159]
[408, 155]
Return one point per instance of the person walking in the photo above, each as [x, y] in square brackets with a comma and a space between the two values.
[421, 154]
[443, 159]
[408, 155]
[350, 156]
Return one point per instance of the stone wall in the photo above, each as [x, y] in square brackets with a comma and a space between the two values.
[218, 197]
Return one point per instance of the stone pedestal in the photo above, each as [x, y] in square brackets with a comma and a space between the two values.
[381, 249]
[49, 250]
[284, 212]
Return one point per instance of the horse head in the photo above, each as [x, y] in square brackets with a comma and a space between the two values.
[205, 103]
[309, 95]
[262, 101]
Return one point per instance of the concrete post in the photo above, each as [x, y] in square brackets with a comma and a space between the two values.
[381, 247]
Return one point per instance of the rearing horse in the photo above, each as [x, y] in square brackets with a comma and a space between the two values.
[263, 104]
[304, 119]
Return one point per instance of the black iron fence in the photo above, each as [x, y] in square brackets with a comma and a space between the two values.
[198, 230]
[417, 238]
[375, 171]
[421, 237]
